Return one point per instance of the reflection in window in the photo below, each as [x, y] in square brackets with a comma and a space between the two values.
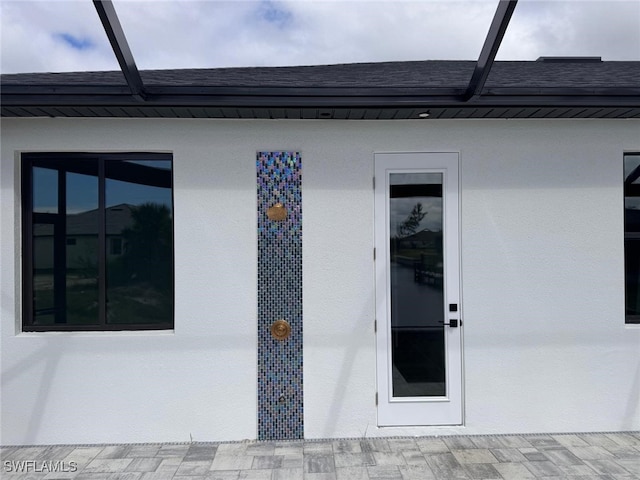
[98, 235]
[416, 275]
[632, 236]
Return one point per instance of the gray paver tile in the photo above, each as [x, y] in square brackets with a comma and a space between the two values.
[514, 471]
[570, 440]
[318, 448]
[375, 445]
[508, 455]
[388, 458]
[543, 441]
[254, 475]
[562, 456]
[353, 459]
[625, 439]
[170, 462]
[142, 464]
[289, 448]
[161, 475]
[543, 469]
[575, 470]
[445, 466]
[631, 464]
[320, 476]
[318, 463]
[351, 473]
[515, 441]
[93, 476]
[598, 440]
[347, 446]
[267, 461]
[384, 472]
[459, 443]
[474, 455]
[232, 448]
[107, 465]
[414, 458]
[262, 449]
[604, 467]
[143, 451]
[197, 467]
[287, 474]
[623, 451]
[432, 445]
[126, 476]
[4, 451]
[416, 472]
[82, 455]
[482, 471]
[292, 461]
[172, 451]
[591, 453]
[487, 442]
[26, 453]
[201, 452]
[535, 456]
[222, 475]
[114, 451]
[402, 444]
[54, 453]
[232, 462]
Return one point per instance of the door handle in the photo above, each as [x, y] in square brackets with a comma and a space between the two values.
[453, 323]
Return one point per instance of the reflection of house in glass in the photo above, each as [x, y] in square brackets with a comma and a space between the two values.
[82, 238]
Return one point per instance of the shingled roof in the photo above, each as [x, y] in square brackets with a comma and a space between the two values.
[550, 88]
[425, 74]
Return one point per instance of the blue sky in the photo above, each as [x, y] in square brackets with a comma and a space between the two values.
[61, 35]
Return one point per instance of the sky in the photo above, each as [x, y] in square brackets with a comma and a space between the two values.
[63, 35]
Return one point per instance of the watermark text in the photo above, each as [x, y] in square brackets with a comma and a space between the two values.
[28, 466]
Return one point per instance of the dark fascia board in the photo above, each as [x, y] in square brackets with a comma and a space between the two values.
[273, 97]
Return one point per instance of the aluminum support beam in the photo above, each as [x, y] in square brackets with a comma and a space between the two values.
[118, 40]
[490, 48]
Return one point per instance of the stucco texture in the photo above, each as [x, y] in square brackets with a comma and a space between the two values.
[546, 348]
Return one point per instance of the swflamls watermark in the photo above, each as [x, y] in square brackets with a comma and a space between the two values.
[28, 466]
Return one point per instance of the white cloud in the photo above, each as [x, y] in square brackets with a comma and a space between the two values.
[32, 37]
[609, 28]
[190, 34]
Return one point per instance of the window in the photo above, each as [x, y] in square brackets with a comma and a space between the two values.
[632, 236]
[97, 241]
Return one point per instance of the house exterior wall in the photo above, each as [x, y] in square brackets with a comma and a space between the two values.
[546, 348]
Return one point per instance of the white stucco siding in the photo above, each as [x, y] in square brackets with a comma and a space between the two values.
[545, 344]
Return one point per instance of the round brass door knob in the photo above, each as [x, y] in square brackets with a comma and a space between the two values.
[280, 329]
[277, 212]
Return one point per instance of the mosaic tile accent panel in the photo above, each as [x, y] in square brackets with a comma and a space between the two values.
[280, 401]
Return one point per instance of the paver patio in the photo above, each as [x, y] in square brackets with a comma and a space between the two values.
[607, 456]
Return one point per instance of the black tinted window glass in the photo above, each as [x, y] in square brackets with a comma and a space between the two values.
[98, 245]
[632, 236]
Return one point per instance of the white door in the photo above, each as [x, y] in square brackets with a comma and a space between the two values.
[418, 312]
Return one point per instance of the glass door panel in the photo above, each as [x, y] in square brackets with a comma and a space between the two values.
[417, 294]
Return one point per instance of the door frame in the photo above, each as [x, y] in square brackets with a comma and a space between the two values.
[419, 411]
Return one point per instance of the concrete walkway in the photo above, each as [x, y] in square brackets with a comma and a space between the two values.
[565, 456]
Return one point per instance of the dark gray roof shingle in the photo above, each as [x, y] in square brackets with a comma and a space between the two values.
[418, 74]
